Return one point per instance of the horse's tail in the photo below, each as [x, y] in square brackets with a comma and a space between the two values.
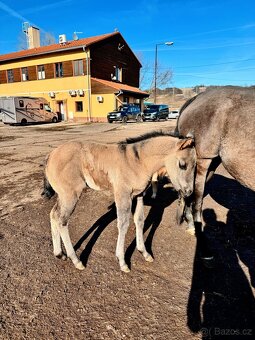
[48, 191]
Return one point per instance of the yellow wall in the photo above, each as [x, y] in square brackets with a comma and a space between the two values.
[60, 86]
[100, 110]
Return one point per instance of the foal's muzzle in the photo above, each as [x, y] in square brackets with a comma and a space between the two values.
[186, 192]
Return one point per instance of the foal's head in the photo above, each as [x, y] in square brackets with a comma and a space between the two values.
[181, 165]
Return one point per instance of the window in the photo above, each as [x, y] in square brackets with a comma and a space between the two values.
[118, 74]
[24, 74]
[10, 76]
[78, 67]
[41, 72]
[79, 106]
[58, 70]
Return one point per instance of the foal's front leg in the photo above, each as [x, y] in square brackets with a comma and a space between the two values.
[139, 223]
[123, 205]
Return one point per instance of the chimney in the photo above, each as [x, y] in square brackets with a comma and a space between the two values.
[33, 34]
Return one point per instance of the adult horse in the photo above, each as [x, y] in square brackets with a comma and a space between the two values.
[222, 121]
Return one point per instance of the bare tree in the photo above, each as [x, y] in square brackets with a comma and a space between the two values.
[22, 42]
[147, 75]
[47, 39]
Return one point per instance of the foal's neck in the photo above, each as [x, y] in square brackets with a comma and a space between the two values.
[155, 150]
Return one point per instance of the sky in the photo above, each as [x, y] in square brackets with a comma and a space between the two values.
[214, 41]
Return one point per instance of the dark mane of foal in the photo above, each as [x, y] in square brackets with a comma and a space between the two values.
[146, 136]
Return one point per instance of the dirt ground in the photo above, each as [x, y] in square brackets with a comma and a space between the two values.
[178, 296]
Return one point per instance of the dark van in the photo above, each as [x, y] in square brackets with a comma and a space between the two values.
[156, 112]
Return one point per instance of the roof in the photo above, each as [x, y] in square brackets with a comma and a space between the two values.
[120, 86]
[74, 44]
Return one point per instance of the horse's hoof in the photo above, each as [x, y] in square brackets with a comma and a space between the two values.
[79, 266]
[191, 231]
[148, 258]
[125, 269]
[61, 256]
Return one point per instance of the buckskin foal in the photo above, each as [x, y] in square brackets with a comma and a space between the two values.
[125, 168]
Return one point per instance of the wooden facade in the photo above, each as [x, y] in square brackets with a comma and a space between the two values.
[116, 54]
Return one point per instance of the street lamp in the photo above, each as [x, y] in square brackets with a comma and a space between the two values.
[168, 43]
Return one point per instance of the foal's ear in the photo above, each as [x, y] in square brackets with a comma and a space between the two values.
[186, 143]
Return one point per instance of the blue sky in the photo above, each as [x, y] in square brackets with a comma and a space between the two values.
[214, 41]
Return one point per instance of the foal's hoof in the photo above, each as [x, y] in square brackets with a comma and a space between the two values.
[191, 231]
[79, 266]
[148, 258]
[125, 268]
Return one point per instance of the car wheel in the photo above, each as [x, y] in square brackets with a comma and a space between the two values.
[23, 121]
[110, 121]
[139, 119]
[124, 119]
[54, 120]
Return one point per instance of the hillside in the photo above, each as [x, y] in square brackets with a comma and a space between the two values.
[174, 97]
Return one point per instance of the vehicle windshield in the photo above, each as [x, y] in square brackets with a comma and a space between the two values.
[47, 108]
[152, 107]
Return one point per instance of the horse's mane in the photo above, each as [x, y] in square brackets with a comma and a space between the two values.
[146, 136]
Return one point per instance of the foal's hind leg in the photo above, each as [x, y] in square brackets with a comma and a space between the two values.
[56, 240]
[59, 222]
[139, 222]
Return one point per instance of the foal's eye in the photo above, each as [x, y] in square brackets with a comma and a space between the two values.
[182, 164]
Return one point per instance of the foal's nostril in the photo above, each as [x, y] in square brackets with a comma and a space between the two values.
[187, 192]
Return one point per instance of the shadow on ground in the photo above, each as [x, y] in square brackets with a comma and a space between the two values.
[221, 302]
[166, 196]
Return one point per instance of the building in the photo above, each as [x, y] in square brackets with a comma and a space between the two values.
[82, 79]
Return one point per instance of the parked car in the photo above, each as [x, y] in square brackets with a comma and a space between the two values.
[125, 113]
[173, 114]
[156, 112]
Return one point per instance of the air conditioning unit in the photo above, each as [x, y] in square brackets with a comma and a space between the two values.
[72, 93]
[100, 99]
[62, 39]
[80, 92]
[52, 94]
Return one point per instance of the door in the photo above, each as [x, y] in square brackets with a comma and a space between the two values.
[61, 110]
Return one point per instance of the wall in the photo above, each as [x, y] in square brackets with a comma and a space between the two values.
[60, 86]
[113, 56]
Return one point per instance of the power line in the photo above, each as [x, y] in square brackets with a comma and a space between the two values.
[224, 63]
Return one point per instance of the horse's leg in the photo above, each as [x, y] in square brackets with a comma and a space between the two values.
[202, 169]
[123, 205]
[193, 204]
[139, 222]
[63, 211]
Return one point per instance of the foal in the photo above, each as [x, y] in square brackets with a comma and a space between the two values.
[125, 168]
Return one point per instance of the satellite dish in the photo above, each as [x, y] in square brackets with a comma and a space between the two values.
[75, 35]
